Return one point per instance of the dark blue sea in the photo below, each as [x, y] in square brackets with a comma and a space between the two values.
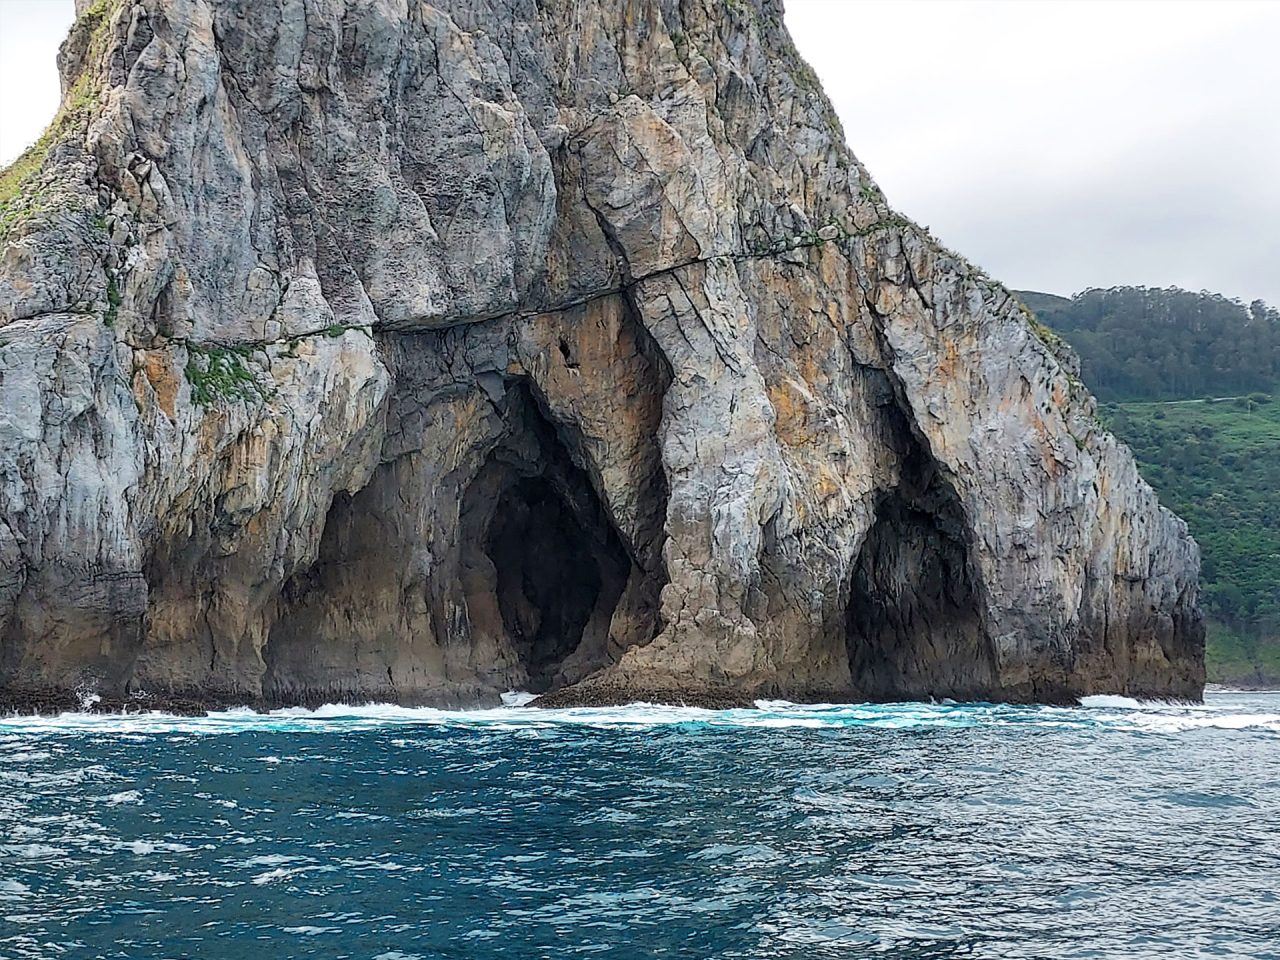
[1117, 829]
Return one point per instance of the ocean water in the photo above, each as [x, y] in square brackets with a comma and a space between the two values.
[1116, 830]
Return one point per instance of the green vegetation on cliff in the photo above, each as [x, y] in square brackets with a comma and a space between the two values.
[1154, 355]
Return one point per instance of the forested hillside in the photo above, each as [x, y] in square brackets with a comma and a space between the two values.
[1152, 356]
[1145, 343]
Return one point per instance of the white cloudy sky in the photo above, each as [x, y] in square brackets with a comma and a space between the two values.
[1060, 144]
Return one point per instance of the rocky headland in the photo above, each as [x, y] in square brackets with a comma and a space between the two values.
[377, 350]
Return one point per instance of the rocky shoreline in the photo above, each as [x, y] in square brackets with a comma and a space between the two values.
[50, 702]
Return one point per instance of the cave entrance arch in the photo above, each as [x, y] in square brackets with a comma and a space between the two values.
[543, 567]
[913, 624]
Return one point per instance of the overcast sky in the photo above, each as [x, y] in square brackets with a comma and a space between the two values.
[1060, 145]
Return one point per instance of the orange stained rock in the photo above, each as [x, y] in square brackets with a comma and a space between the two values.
[157, 366]
[793, 424]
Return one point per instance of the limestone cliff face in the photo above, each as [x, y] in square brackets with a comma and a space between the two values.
[386, 349]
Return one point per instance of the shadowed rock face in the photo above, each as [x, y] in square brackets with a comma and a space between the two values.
[421, 352]
[914, 620]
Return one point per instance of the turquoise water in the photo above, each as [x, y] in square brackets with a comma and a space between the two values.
[908, 831]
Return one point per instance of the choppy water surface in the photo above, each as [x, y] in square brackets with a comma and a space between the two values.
[910, 831]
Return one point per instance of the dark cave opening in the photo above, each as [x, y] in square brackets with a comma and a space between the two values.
[548, 581]
[913, 624]
[540, 551]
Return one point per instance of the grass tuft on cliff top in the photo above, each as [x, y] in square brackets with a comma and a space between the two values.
[19, 195]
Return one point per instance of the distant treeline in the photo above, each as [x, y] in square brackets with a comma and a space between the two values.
[1145, 343]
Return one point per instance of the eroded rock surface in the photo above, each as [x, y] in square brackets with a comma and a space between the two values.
[374, 349]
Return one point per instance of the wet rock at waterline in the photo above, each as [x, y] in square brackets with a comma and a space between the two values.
[359, 350]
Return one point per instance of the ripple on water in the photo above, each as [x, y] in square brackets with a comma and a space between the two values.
[1117, 829]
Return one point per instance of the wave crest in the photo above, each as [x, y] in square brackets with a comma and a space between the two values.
[1241, 712]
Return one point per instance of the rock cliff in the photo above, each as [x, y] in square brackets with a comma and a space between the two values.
[381, 349]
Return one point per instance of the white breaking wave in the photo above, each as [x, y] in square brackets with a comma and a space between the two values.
[518, 698]
[115, 799]
[143, 848]
[1244, 712]
[1113, 702]
[307, 931]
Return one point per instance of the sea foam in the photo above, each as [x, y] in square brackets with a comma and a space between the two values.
[1220, 711]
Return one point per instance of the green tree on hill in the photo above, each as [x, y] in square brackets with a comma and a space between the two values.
[1146, 343]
